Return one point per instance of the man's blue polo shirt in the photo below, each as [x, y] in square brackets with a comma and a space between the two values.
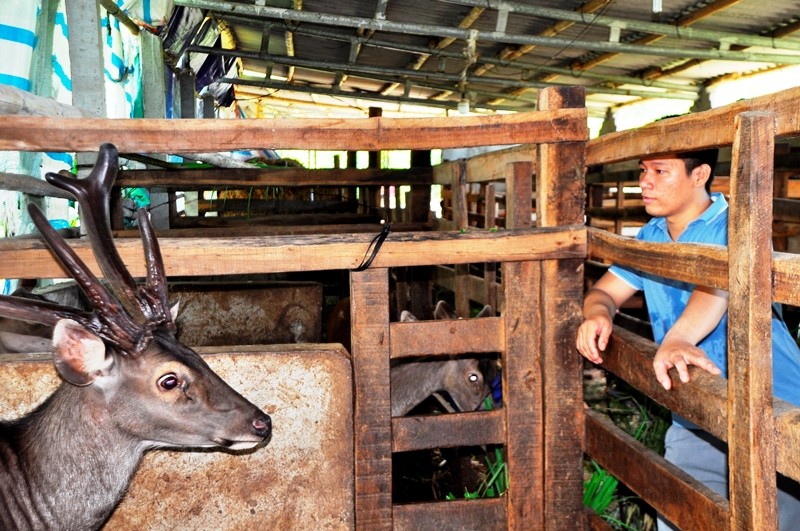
[667, 298]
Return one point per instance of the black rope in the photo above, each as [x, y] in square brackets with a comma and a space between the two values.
[375, 245]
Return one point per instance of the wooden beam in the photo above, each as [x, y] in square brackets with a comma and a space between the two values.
[232, 256]
[694, 263]
[683, 500]
[693, 131]
[751, 433]
[198, 135]
[486, 166]
[450, 336]
[560, 200]
[475, 428]
[259, 177]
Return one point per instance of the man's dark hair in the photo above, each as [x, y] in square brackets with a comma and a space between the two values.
[693, 159]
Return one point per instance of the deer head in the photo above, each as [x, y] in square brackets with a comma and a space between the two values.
[123, 354]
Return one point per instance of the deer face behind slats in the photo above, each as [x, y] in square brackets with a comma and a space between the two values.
[129, 385]
[462, 378]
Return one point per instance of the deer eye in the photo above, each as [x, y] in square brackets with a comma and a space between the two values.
[168, 382]
[472, 377]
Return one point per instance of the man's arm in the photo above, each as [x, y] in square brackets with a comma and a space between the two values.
[599, 307]
[702, 314]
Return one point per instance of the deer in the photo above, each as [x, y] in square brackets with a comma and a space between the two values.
[128, 386]
[462, 378]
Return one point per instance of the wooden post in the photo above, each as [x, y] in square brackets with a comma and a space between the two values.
[523, 400]
[490, 268]
[372, 415]
[751, 424]
[560, 190]
[461, 220]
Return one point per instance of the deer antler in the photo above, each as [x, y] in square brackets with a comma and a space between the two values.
[127, 322]
[93, 195]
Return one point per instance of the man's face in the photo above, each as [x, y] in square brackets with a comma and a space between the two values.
[667, 189]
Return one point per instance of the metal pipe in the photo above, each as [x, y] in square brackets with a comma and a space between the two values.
[372, 71]
[120, 15]
[493, 36]
[668, 30]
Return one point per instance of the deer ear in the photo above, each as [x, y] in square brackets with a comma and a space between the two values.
[173, 311]
[406, 316]
[486, 311]
[80, 356]
[444, 311]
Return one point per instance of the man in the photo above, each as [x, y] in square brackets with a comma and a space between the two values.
[689, 322]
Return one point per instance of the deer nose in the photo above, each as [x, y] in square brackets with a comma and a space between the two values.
[263, 426]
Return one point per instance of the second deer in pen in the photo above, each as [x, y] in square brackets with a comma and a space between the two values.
[461, 378]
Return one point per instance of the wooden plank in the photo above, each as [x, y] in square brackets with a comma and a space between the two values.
[486, 166]
[231, 256]
[703, 400]
[451, 336]
[683, 500]
[369, 313]
[30, 185]
[486, 514]
[523, 397]
[271, 230]
[490, 295]
[198, 135]
[444, 431]
[694, 263]
[191, 179]
[751, 434]
[694, 131]
[560, 200]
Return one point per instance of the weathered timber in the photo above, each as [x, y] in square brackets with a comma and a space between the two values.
[446, 337]
[276, 220]
[30, 185]
[787, 210]
[372, 417]
[702, 400]
[693, 131]
[751, 434]
[560, 200]
[486, 514]
[190, 179]
[443, 276]
[701, 264]
[486, 166]
[14, 101]
[270, 230]
[274, 254]
[199, 135]
[683, 500]
[594, 522]
[443, 431]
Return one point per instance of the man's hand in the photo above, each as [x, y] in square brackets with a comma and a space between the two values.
[593, 336]
[680, 354]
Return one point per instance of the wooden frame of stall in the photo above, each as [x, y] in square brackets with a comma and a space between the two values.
[534, 335]
[761, 431]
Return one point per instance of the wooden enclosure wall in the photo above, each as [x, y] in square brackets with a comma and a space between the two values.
[534, 334]
[761, 432]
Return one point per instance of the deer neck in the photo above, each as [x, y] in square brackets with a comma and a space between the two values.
[77, 462]
[414, 382]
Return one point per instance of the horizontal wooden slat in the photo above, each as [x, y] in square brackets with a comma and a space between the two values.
[231, 256]
[703, 400]
[683, 500]
[486, 166]
[30, 185]
[706, 265]
[446, 431]
[246, 230]
[486, 514]
[693, 131]
[452, 336]
[25, 133]
[695, 263]
[234, 177]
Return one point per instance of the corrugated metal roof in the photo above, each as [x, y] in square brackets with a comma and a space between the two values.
[403, 54]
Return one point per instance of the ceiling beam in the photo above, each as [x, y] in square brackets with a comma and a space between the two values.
[667, 30]
[493, 36]
[436, 51]
[371, 72]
